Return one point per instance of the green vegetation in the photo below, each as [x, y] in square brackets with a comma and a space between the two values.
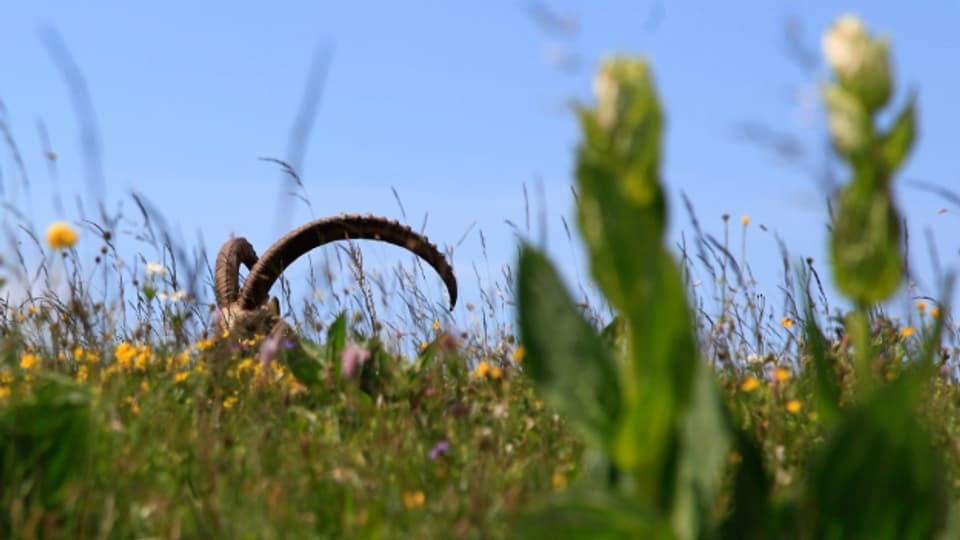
[664, 422]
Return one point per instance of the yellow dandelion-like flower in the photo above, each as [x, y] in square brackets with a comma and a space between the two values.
[519, 353]
[4, 392]
[781, 374]
[750, 384]
[907, 331]
[61, 356]
[559, 481]
[204, 344]
[921, 305]
[436, 325]
[482, 370]
[424, 345]
[745, 220]
[29, 361]
[32, 310]
[786, 322]
[125, 353]
[244, 366]
[934, 312]
[181, 376]
[78, 353]
[92, 356]
[496, 372]
[413, 499]
[61, 235]
[794, 406]
[82, 373]
[230, 401]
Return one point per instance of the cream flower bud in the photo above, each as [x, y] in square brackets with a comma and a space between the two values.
[860, 62]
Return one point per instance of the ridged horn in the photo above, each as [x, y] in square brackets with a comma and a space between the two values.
[226, 275]
[344, 227]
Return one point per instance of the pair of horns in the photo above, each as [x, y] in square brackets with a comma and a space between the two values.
[265, 270]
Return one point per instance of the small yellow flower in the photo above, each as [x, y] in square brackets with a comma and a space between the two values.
[204, 344]
[82, 373]
[424, 345]
[519, 353]
[921, 305]
[125, 353]
[750, 384]
[78, 353]
[61, 235]
[230, 401]
[483, 368]
[29, 361]
[32, 310]
[181, 376]
[786, 322]
[794, 406]
[436, 325]
[745, 220]
[907, 331]
[413, 499]
[61, 356]
[496, 372]
[934, 312]
[559, 481]
[781, 374]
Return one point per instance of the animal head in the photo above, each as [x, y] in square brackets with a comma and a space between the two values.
[248, 311]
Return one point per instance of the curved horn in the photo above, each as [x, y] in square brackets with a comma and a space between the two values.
[344, 227]
[226, 276]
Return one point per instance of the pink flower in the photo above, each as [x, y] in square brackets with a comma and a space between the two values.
[354, 356]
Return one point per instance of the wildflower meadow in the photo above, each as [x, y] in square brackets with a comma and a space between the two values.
[662, 411]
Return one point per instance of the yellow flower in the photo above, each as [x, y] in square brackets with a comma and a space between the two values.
[181, 376]
[413, 499]
[61, 357]
[436, 325]
[61, 235]
[907, 331]
[934, 312]
[230, 402]
[559, 481]
[921, 305]
[424, 345]
[519, 353]
[78, 353]
[750, 384]
[745, 220]
[483, 368]
[496, 372]
[781, 374]
[82, 373]
[125, 353]
[794, 406]
[786, 322]
[204, 344]
[29, 361]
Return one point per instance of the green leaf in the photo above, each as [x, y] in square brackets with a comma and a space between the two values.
[705, 441]
[826, 389]
[569, 362]
[877, 476]
[865, 245]
[590, 515]
[750, 516]
[337, 339]
[45, 438]
[896, 143]
[304, 361]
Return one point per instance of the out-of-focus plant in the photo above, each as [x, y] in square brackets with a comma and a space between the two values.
[640, 396]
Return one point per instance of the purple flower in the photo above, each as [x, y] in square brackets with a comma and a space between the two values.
[439, 449]
[353, 358]
[269, 349]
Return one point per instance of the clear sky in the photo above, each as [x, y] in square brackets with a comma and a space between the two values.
[457, 105]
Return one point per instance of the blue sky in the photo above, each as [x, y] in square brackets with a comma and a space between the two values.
[456, 105]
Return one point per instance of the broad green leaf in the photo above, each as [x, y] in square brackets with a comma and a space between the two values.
[305, 362]
[896, 143]
[865, 245]
[45, 437]
[337, 339]
[750, 514]
[877, 476]
[592, 515]
[659, 373]
[569, 362]
[705, 441]
[826, 390]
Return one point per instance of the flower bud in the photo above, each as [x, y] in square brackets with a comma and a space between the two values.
[860, 62]
[848, 120]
